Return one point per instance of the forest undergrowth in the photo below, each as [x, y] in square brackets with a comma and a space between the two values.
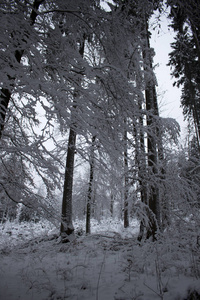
[107, 264]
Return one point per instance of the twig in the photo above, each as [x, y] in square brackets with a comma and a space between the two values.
[161, 296]
[97, 291]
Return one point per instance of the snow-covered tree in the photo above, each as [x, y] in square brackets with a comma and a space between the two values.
[25, 135]
[185, 57]
[17, 36]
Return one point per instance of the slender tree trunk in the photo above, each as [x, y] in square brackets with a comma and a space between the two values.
[93, 209]
[164, 201]
[66, 228]
[126, 181]
[112, 200]
[5, 93]
[90, 187]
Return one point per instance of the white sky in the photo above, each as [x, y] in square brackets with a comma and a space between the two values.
[168, 96]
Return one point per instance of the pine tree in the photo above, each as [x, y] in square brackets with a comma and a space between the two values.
[185, 57]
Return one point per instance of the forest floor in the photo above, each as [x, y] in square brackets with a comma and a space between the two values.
[108, 264]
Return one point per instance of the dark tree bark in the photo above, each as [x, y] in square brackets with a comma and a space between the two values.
[153, 201]
[112, 200]
[126, 181]
[66, 228]
[152, 139]
[90, 187]
[5, 93]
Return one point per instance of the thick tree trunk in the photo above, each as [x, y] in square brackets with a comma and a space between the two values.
[5, 93]
[90, 187]
[154, 201]
[152, 137]
[67, 229]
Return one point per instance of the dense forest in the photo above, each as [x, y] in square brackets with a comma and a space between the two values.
[81, 136]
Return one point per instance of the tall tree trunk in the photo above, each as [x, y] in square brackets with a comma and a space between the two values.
[154, 201]
[164, 201]
[66, 228]
[90, 187]
[152, 136]
[126, 181]
[5, 93]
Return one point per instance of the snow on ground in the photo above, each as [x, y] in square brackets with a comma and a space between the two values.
[108, 264]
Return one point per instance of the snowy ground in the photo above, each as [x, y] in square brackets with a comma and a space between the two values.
[108, 264]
